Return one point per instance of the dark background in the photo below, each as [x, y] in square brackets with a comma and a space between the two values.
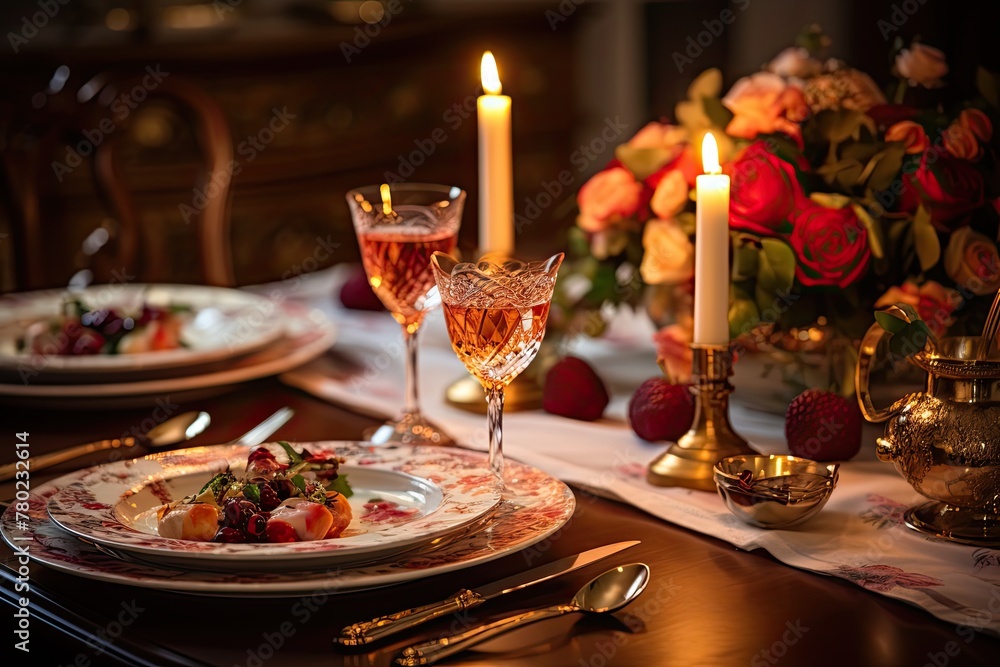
[571, 69]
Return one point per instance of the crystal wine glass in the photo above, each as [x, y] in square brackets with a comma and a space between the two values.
[495, 314]
[398, 227]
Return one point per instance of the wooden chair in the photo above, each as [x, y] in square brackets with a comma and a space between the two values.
[29, 153]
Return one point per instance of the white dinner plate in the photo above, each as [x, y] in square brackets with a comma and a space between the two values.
[115, 504]
[535, 506]
[224, 324]
[308, 334]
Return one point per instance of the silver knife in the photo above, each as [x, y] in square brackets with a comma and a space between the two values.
[360, 634]
[261, 431]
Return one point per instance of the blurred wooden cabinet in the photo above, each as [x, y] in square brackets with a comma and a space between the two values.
[311, 114]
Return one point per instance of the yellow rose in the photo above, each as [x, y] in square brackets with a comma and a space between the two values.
[668, 257]
[670, 196]
[971, 260]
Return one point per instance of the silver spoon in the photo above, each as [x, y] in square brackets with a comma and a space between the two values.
[604, 594]
[170, 432]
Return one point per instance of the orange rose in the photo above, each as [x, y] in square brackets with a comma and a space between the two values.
[963, 137]
[977, 123]
[610, 196]
[922, 65]
[911, 134]
[961, 143]
[971, 260]
[764, 103]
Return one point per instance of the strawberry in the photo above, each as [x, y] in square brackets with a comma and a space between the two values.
[357, 294]
[661, 410]
[823, 426]
[574, 390]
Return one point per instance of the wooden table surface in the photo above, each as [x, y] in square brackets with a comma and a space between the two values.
[707, 603]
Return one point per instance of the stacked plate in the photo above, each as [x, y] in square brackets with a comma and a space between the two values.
[229, 336]
[416, 512]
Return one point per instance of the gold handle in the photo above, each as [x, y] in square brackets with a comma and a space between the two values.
[862, 375]
[430, 652]
[367, 632]
[43, 461]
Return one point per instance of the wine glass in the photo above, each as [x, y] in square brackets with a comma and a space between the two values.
[398, 227]
[495, 314]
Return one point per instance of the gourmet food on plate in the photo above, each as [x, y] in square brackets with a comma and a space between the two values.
[301, 500]
[81, 330]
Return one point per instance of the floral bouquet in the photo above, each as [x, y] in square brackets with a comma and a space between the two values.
[841, 202]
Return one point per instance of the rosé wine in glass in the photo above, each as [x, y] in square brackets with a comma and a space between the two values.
[399, 227]
[496, 315]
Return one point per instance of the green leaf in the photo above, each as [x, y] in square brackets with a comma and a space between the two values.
[926, 241]
[252, 493]
[884, 168]
[299, 482]
[776, 269]
[293, 455]
[988, 85]
[890, 322]
[341, 486]
[716, 111]
[743, 316]
[911, 339]
[643, 162]
[875, 241]
[746, 261]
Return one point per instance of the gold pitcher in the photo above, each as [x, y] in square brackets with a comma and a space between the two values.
[944, 441]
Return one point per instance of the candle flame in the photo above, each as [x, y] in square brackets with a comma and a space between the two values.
[386, 199]
[490, 75]
[710, 155]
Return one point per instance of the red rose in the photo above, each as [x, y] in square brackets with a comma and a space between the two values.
[831, 245]
[950, 189]
[764, 191]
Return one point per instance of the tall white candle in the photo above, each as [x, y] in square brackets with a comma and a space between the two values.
[496, 173]
[711, 275]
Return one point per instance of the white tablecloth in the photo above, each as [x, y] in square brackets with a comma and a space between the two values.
[859, 535]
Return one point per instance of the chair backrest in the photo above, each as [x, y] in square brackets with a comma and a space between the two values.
[27, 163]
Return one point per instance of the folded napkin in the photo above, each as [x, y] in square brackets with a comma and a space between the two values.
[858, 536]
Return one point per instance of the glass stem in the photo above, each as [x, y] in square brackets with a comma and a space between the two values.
[494, 420]
[412, 404]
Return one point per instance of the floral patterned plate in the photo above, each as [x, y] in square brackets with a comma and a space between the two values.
[426, 493]
[535, 505]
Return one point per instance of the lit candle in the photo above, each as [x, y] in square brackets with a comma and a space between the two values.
[711, 276]
[496, 179]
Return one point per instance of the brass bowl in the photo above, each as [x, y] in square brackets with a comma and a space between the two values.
[774, 491]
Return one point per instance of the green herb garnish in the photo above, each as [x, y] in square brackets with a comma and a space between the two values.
[252, 493]
[341, 486]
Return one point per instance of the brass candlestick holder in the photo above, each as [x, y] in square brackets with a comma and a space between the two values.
[689, 461]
